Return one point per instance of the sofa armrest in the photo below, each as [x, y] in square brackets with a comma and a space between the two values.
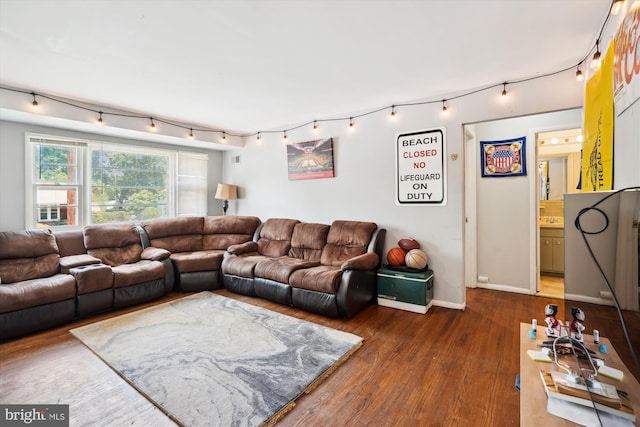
[154, 254]
[368, 261]
[243, 248]
[73, 261]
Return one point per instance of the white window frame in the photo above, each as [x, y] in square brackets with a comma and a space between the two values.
[32, 210]
[84, 173]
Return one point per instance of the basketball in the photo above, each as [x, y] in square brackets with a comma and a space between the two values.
[416, 258]
[407, 243]
[396, 256]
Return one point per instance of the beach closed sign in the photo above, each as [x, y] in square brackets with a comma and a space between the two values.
[420, 168]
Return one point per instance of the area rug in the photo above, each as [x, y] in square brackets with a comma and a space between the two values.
[210, 360]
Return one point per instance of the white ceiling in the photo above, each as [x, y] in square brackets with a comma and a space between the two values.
[247, 66]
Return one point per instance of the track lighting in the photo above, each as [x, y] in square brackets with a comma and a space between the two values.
[504, 89]
[34, 104]
[393, 112]
[152, 126]
[579, 75]
[190, 133]
[100, 122]
[351, 122]
[285, 135]
[315, 125]
[444, 105]
[616, 7]
[258, 137]
[224, 136]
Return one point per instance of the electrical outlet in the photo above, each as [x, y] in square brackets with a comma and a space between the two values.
[605, 295]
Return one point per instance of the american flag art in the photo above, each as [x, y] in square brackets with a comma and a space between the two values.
[503, 158]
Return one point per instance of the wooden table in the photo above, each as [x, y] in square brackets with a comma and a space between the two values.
[533, 398]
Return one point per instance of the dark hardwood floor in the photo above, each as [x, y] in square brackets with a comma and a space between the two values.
[445, 368]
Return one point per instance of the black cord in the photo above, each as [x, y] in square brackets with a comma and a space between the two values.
[350, 118]
[584, 233]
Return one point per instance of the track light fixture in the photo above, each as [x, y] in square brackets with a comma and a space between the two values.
[152, 125]
[579, 75]
[393, 111]
[224, 136]
[315, 125]
[285, 135]
[258, 136]
[504, 89]
[190, 136]
[351, 122]
[444, 105]
[34, 104]
[100, 122]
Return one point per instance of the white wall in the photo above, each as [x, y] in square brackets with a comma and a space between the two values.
[363, 188]
[12, 168]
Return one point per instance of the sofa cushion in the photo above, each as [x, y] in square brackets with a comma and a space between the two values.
[114, 244]
[279, 269]
[31, 293]
[19, 269]
[182, 234]
[242, 266]
[118, 256]
[220, 232]
[307, 241]
[72, 261]
[134, 274]
[27, 254]
[275, 236]
[324, 278]
[70, 242]
[27, 243]
[187, 262]
[346, 239]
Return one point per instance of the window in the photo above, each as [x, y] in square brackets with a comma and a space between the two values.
[55, 175]
[192, 184]
[83, 182]
[128, 185]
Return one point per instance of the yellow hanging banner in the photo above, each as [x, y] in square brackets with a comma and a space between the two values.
[597, 148]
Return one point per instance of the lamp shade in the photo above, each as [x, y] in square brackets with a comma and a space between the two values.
[226, 192]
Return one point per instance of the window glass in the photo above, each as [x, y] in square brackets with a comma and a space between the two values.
[128, 186]
[74, 183]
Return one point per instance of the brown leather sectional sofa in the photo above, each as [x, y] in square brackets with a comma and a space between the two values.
[325, 269]
[48, 279]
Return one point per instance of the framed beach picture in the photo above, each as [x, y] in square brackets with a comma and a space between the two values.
[310, 159]
[503, 158]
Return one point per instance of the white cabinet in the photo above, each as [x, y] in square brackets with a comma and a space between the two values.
[552, 250]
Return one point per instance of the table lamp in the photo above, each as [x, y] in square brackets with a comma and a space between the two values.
[226, 192]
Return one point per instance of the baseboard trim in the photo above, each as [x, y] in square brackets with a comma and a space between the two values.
[505, 288]
[447, 304]
[591, 300]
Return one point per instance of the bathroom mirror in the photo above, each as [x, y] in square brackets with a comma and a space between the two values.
[558, 163]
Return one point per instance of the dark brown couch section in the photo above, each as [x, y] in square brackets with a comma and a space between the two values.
[32, 289]
[329, 270]
[197, 246]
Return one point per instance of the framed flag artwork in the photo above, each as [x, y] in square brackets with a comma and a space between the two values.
[503, 158]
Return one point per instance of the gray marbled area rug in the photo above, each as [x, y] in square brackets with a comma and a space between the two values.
[208, 360]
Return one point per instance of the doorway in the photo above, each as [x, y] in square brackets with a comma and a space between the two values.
[558, 169]
[502, 215]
